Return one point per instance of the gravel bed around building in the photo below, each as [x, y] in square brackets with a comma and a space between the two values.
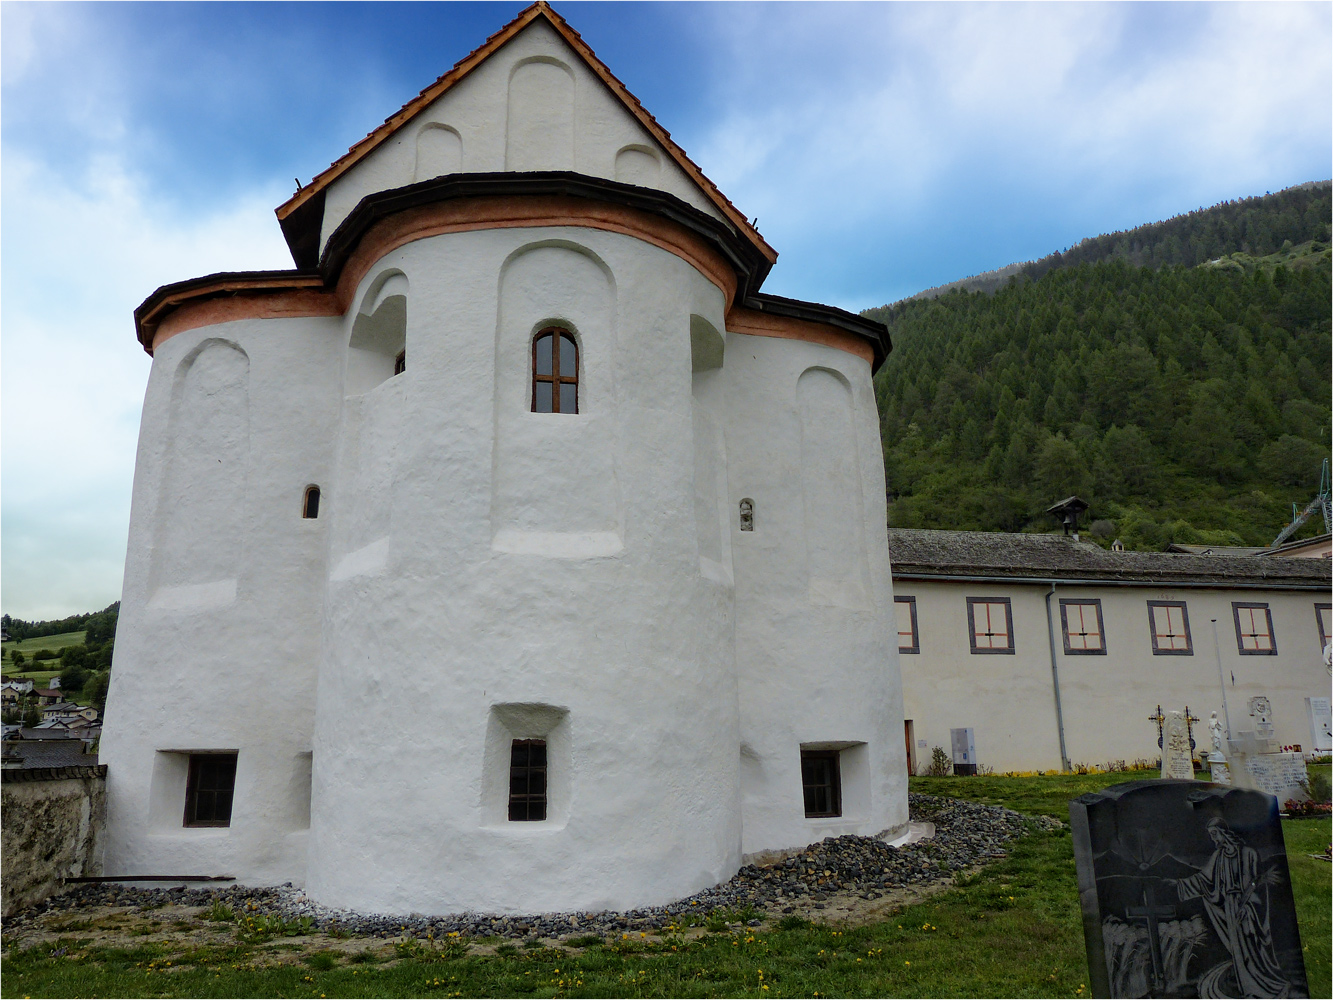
[967, 834]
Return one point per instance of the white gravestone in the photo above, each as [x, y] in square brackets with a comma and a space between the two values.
[1177, 759]
[1261, 714]
[1278, 774]
[1321, 724]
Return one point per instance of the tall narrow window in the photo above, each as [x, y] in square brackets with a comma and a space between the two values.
[1254, 629]
[1082, 625]
[208, 791]
[904, 608]
[400, 363]
[1169, 624]
[527, 780]
[821, 783]
[555, 372]
[990, 621]
[310, 506]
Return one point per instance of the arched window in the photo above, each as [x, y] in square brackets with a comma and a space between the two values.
[310, 505]
[555, 372]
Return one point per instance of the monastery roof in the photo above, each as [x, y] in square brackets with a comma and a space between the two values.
[984, 555]
[296, 224]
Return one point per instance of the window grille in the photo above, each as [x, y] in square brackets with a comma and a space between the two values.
[821, 783]
[527, 781]
[209, 789]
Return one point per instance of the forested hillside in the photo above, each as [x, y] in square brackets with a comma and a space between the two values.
[1185, 403]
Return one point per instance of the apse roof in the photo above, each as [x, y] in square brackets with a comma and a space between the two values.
[294, 222]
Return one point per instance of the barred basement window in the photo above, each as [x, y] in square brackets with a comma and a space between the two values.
[527, 781]
[1169, 625]
[821, 782]
[555, 372]
[310, 505]
[1254, 629]
[1081, 622]
[209, 789]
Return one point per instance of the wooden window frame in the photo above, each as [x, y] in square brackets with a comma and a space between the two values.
[555, 379]
[1064, 626]
[1319, 610]
[525, 800]
[311, 490]
[1185, 620]
[193, 790]
[1008, 624]
[834, 785]
[915, 647]
[1236, 608]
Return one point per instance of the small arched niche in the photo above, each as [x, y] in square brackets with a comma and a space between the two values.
[706, 345]
[310, 502]
[638, 165]
[439, 151]
[377, 349]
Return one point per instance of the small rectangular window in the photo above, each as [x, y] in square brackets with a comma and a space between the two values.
[990, 621]
[1169, 625]
[905, 610]
[1081, 622]
[821, 783]
[1254, 629]
[527, 781]
[209, 789]
[1324, 612]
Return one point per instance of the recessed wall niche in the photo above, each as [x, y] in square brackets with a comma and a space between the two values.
[379, 334]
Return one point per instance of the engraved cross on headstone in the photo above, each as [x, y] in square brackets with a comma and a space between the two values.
[1149, 912]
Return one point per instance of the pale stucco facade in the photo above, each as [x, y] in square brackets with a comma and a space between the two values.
[480, 573]
[1009, 699]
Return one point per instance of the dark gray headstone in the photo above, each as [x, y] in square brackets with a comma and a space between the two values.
[1185, 892]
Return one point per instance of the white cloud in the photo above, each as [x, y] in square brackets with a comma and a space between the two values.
[77, 259]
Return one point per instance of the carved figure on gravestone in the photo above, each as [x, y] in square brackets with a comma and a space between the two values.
[1235, 898]
[1215, 731]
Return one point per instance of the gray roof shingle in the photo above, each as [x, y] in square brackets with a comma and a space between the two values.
[917, 552]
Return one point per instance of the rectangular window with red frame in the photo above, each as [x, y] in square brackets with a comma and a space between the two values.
[1254, 629]
[1081, 621]
[990, 620]
[904, 609]
[1169, 626]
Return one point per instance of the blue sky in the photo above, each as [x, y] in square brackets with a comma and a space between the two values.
[884, 148]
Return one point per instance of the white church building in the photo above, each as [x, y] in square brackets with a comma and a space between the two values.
[514, 551]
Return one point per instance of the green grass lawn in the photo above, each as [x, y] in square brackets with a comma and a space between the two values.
[1013, 929]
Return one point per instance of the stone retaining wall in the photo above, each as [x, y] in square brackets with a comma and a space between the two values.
[53, 819]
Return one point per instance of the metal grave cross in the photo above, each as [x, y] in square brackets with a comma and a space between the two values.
[1159, 718]
[1189, 725]
[1148, 913]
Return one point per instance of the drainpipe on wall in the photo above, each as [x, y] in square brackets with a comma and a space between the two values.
[1055, 680]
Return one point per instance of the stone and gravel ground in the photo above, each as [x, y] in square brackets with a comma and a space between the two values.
[846, 879]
